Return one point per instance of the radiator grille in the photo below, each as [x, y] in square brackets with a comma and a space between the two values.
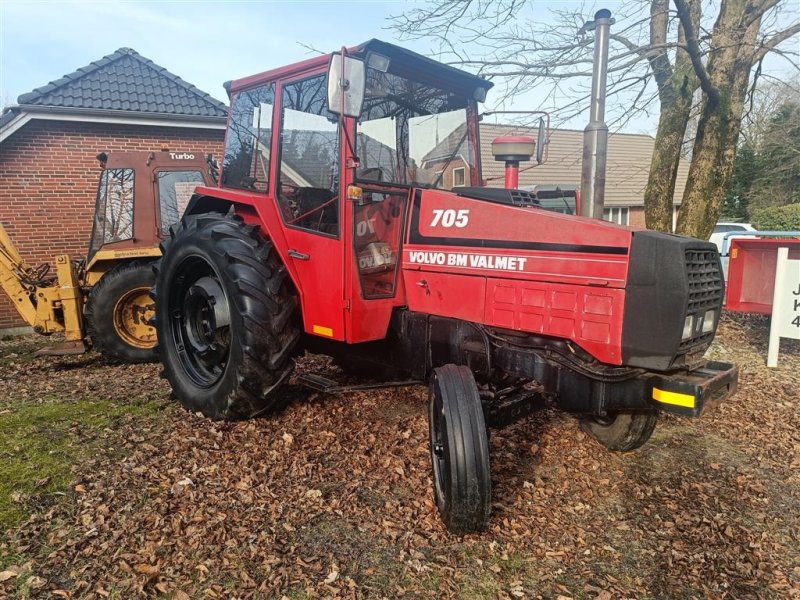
[706, 289]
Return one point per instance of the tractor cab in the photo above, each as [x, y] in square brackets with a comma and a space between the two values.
[139, 196]
[335, 165]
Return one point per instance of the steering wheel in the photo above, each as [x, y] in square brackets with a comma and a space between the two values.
[369, 173]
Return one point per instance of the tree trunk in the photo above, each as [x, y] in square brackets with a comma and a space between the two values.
[676, 91]
[660, 191]
[729, 65]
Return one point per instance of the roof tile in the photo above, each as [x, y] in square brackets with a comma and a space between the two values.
[126, 79]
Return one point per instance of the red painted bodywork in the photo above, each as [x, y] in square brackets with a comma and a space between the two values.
[523, 269]
[553, 283]
[751, 273]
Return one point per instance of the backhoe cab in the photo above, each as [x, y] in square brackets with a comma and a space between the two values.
[105, 298]
[351, 220]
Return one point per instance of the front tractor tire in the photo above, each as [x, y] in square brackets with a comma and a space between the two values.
[225, 317]
[118, 313]
[622, 432]
[459, 450]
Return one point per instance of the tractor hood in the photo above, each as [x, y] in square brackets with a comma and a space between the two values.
[509, 221]
[489, 260]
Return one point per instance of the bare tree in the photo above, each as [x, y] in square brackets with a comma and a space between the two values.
[737, 43]
[661, 54]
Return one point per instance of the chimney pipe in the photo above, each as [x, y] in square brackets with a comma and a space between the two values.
[595, 136]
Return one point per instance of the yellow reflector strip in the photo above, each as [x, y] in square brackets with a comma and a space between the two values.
[320, 330]
[675, 398]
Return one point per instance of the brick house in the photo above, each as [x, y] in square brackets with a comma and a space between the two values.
[627, 168]
[49, 141]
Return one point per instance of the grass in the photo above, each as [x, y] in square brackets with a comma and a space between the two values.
[39, 443]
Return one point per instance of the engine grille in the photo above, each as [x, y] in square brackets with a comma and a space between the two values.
[706, 289]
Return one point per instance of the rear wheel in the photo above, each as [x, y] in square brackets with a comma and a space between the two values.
[622, 432]
[118, 313]
[459, 450]
[226, 326]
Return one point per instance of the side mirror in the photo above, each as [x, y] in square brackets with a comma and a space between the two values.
[346, 85]
[541, 140]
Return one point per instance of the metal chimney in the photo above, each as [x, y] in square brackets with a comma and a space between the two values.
[595, 136]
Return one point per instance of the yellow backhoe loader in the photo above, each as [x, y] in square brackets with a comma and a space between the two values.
[104, 300]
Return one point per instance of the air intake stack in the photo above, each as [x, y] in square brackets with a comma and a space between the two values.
[512, 149]
[595, 136]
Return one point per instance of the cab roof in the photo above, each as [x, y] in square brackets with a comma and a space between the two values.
[404, 63]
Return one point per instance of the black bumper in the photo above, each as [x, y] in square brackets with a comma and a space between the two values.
[688, 393]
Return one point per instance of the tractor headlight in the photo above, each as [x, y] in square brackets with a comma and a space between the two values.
[708, 321]
[688, 327]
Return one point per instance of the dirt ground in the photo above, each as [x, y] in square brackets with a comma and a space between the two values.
[109, 489]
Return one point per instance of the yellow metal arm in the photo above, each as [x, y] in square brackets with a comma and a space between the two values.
[12, 273]
[37, 303]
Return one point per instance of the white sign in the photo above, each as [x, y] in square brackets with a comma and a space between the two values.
[785, 304]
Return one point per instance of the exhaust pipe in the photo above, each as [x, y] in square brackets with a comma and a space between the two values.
[595, 136]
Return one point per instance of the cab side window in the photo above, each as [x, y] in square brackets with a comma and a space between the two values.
[249, 138]
[113, 215]
[308, 186]
[175, 189]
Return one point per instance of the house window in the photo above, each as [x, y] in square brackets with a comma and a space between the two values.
[458, 177]
[617, 214]
[247, 145]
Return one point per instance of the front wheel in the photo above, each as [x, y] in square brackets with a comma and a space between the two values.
[459, 450]
[622, 432]
[225, 318]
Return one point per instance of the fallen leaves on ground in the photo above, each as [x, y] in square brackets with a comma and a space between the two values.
[332, 498]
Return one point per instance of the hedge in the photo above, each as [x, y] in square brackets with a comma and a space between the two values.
[778, 218]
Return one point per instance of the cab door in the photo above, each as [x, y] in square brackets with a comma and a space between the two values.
[307, 192]
[373, 260]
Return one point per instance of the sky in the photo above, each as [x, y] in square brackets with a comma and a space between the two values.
[207, 43]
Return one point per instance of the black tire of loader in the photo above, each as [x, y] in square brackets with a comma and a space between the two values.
[262, 302]
[99, 313]
[624, 432]
[461, 474]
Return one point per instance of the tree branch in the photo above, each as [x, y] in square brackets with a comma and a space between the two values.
[776, 39]
[693, 48]
[659, 60]
[756, 10]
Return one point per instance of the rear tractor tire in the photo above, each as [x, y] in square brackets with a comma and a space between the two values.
[622, 432]
[118, 313]
[226, 317]
[459, 450]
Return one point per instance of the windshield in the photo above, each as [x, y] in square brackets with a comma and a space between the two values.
[411, 133]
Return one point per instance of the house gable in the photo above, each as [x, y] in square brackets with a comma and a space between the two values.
[121, 88]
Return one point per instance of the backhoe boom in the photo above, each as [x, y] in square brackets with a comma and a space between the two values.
[46, 305]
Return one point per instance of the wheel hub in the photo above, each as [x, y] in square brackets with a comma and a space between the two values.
[132, 316]
[202, 322]
[207, 314]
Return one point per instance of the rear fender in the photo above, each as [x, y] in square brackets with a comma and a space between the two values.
[254, 210]
[104, 260]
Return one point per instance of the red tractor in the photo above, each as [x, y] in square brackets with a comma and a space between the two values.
[334, 230]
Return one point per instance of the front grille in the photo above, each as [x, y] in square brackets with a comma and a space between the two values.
[706, 288]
